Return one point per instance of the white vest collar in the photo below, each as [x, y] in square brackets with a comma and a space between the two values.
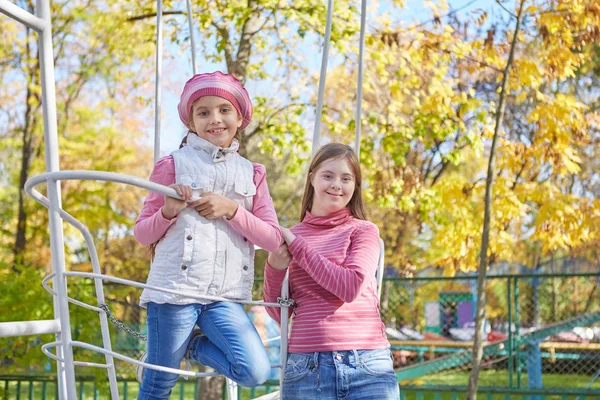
[218, 153]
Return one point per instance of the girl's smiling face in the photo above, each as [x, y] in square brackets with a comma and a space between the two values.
[215, 120]
[333, 184]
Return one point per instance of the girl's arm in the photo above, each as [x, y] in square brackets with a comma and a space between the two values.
[259, 226]
[150, 225]
[344, 281]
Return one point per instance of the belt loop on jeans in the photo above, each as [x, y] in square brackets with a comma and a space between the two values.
[357, 359]
[316, 359]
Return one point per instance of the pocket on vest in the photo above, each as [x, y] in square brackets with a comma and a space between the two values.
[244, 192]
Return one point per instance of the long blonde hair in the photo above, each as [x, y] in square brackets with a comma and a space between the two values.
[333, 151]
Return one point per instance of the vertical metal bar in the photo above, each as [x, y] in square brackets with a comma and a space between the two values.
[125, 390]
[30, 390]
[65, 370]
[510, 334]
[81, 390]
[19, 390]
[517, 329]
[44, 387]
[322, 78]
[157, 89]
[381, 268]
[359, 89]
[191, 28]
[104, 329]
[232, 389]
[283, 342]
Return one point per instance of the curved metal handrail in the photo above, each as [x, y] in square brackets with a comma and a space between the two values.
[46, 350]
[99, 277]
[119, 178]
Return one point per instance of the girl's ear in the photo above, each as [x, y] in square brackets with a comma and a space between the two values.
[239, 121]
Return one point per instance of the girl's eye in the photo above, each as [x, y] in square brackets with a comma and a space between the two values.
[202, 113]
[347, 179]
[327, 176]
[225, 110]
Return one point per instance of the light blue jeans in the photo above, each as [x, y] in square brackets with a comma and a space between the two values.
[231, 345]
[337, 375]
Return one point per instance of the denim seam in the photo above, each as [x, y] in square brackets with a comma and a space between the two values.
[223, 339]
[302, 374]
[156, 344]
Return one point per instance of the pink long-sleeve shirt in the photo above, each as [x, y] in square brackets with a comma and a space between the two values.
[332, 280]
[259, 226]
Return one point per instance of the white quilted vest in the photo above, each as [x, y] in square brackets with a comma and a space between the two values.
[203, 256]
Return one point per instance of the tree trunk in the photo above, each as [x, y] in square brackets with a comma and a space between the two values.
[483, 258]
[210, 388]
[32, 106]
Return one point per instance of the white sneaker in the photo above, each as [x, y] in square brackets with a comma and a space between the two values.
[139, 370]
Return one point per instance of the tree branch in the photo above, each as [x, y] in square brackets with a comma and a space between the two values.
[153, 15]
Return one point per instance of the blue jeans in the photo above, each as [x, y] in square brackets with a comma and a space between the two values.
[231, 345]
[337, 375]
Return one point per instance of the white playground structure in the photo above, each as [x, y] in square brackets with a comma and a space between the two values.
[60, 325]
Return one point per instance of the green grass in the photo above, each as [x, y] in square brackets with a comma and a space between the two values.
[501, 378]
[186, 389]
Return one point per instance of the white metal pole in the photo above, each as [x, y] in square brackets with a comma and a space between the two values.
[322, 78]
[65, 370]
[359, 90]
[157, 91]
[191, 28]
[23, 16]
[112, 374]
[283, 342]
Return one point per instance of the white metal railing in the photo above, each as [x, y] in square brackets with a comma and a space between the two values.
[99, 277]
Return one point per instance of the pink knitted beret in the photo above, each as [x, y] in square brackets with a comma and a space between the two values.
[215, 84]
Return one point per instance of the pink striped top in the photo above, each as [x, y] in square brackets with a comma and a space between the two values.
[332, 280]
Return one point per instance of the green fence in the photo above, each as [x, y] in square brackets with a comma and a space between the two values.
[542, 329]
[543, 332]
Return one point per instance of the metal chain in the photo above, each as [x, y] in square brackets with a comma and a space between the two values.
[121, 325]
[286, 302]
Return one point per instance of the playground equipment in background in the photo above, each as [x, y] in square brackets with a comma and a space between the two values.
[530, 343]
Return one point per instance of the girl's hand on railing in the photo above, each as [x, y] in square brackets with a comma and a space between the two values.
[173, 206]
[280, 258]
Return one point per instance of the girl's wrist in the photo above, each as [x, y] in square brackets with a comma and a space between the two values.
[233, 209]
[166, 214]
